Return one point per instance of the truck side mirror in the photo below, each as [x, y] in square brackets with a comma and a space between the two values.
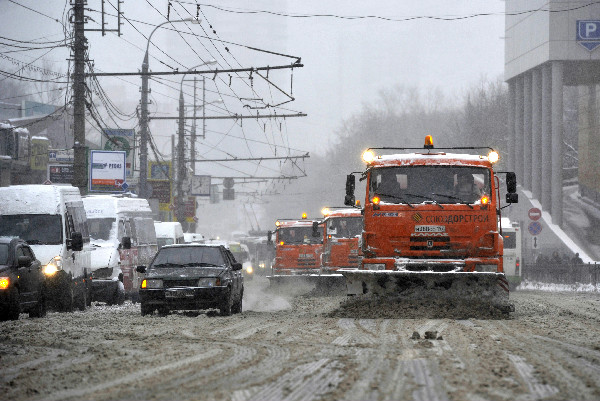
[23, 261]
[269, 237]
[511, 183]
[315, 229]
[126, 242]
[76, 241]
[512, 198]
[140, 269]
[349, 200]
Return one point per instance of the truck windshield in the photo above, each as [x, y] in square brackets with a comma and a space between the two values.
[188, 256]
[418, 184]
[3, 254]
[344, 227]
[510, 240]
[36, 229]
[101, 229]
[160, 242]
[299, 235]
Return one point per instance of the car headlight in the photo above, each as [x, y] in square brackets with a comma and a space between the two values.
[53, 266]
[208, 282]
[374, 266]
[4, 283]
[486, 268]
[152, 283]
[249, 270]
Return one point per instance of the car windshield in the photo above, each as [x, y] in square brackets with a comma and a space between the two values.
[164, 241]
[438, 184]
[3, 254]
[188, 256]
[36, 229]
[299, 235]
[101, 229]
[344, 227]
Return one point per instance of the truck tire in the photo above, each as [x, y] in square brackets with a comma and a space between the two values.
[226, 307]
[67, 298]
[82, 300]
[145, 309]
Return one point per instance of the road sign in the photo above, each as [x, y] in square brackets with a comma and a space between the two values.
[60, 173]
[535, 213]
[534, 242]
[535, 228]
[588, 33]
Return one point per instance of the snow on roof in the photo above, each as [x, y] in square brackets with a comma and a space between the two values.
[349, 212]
[111, 205]
[430, 158]
[40, 138]
[295, 223]
[35, 199]
[168, 229]
[5, 125]
[20, 130]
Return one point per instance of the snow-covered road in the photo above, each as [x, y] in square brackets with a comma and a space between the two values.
[307, 348]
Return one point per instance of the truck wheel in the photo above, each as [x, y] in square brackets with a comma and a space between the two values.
[119, 296]
[14, 306]
[226, 307]
[238, 307]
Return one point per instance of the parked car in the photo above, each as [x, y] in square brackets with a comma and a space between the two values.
[192, 277]
[22, 281]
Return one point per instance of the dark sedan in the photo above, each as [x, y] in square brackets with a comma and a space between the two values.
[22, 282]
[192, 277]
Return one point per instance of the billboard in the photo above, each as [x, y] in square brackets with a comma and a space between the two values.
[107, 171]
[39, 153]
[161, 190]
[60, 173]
[159, 170]
[120, 140]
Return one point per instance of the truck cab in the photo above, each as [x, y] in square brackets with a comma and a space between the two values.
[299, 244]
[342, 229]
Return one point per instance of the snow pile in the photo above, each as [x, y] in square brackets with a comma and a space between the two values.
[534, 285]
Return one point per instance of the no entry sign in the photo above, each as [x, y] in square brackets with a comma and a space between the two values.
[535, 213]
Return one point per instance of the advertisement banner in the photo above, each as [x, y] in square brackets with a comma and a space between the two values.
[61, 155]
[107, 171]
[161, 190]
[120, 140]
[60, 173]
[39, 153]
[159, 170]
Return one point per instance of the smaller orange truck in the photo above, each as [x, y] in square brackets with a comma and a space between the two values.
[298, 248]
[342, 228]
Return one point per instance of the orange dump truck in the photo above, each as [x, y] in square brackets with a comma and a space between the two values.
[431, 226]
[298, 248]
[342, 230]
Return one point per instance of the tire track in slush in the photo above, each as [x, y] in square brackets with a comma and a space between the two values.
[305, 382]
[144, 374]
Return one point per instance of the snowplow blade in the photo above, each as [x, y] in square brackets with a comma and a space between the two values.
[479, 287]
[317, 284]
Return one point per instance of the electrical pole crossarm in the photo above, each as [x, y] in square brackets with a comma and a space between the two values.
[251, 159]
[177, 72]
[232, 117]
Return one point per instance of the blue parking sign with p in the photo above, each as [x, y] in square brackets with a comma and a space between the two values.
[588, 33]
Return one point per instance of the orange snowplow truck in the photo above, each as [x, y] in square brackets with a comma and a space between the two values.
[431, 226]
[298, 248]
[342, 229]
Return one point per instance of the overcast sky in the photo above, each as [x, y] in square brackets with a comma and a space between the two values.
[346, 62]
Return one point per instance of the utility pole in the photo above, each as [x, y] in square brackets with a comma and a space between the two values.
[180, 205]
[79, 48]
[144, 132]
[193, 137]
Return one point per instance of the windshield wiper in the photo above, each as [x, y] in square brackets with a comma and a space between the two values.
[201, 264]
[33, 241]
[395, 197]
[167, 265]
[464, 202]
[428, 198]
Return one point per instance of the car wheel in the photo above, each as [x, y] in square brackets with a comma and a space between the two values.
[120, 296]
[163, 311]
[14, 307]
[41, 307]
[146, 309]
[238, 307]
[227, 305]
[82, 300]
[67, 300]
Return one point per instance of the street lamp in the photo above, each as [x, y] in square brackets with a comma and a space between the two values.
[144, 113]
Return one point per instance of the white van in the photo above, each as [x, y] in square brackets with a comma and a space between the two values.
[52, 220]
[511, 233]
[190, 238]
[123, 237]
[168, 233]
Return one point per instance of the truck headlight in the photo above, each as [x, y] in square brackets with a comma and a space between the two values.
[374, 266]
[152, 283]
[53, 266]
[486, 268]
[4, 283]
[249, 270]
[208, 282]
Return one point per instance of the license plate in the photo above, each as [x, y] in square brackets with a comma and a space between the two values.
[180, 293]
[430, 229]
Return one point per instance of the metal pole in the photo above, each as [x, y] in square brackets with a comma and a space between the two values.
[193, 137]
[79, 47]
[203, 109]
[557, 143]
[179, 206]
